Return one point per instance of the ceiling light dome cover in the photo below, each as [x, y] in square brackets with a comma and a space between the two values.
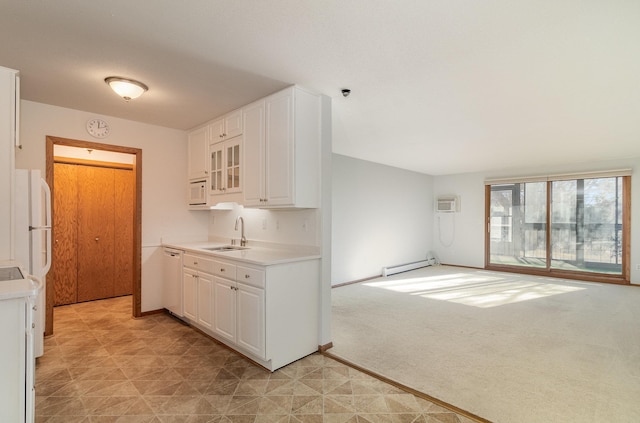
[126, 88]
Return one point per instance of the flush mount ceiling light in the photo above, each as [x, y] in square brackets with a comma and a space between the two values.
[126, 88]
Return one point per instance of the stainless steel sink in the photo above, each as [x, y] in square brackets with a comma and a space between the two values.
[224, 248]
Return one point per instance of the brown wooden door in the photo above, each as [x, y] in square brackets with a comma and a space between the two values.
[64, 261]
[93, 230]
[124, 182]
[96, 233]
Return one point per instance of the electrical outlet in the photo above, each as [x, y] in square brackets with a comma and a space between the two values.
[637, 266]
[264, 223]
[305, 225]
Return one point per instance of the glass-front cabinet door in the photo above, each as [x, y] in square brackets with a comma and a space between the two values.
[233, 168]
[226, 167]
[216, 170]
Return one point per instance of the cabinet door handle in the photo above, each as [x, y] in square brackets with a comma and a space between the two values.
[97, 238]
[247, 276]
[222, 269]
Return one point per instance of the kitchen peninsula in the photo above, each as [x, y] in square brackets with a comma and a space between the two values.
[261, 300]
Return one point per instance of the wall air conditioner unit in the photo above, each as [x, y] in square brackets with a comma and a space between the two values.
[447, 204]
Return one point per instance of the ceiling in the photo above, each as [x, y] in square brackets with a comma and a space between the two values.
[438, 86]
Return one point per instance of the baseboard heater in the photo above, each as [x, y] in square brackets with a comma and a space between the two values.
[392, 270]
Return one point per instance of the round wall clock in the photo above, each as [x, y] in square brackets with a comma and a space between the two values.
[98, 128]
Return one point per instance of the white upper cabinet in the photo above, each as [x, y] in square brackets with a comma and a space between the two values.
[265, 155]
[254, 154]
[279, 146]
[215, 156]
[9, 117]
[198, 144]
[229, 126]
[282, 150]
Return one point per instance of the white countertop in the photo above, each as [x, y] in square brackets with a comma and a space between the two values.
[17, 288]
[262, 254]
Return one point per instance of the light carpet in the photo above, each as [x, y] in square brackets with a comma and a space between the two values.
[506, 347]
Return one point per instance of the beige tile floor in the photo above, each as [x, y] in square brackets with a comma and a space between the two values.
[104, 366]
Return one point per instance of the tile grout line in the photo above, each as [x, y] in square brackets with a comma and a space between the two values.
[322, 369]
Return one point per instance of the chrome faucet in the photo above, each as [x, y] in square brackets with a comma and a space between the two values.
[243, 240]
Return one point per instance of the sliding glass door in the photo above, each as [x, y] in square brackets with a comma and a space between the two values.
[586, 225]
[518, 229]
[564, 226]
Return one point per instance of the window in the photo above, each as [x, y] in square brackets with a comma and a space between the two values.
[571, 227]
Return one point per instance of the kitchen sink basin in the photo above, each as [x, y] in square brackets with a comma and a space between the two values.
[224, 248]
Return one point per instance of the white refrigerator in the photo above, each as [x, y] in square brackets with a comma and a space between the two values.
[33, 238]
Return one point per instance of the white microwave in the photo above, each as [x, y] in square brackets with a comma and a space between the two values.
[197, 193]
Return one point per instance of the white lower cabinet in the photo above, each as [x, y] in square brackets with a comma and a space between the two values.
[268, 313]
[239, 310]
[225, 308]
[17, 384]
[197, 286]
[205, 300]
[250, 325]
[190, 294]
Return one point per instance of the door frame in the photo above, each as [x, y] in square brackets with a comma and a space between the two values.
[51, 141]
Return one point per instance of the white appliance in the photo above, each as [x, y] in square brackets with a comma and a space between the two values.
[197, 193]
[172, 281]
[447, 204]
[18, 294]
[33, 238]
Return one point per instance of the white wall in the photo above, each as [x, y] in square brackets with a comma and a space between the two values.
[468, 226]
[164, 170]
[381, 216]
[297, 227]
[458, 238]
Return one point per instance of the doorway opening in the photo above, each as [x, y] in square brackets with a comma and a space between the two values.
[92, 165]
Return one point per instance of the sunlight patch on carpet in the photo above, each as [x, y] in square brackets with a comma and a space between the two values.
[475, 290]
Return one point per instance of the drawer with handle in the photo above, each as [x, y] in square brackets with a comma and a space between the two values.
[226, 270]
[251, 276]
[198, 263]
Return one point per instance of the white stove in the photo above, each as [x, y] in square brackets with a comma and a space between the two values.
[10, 273]
[15, 282]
